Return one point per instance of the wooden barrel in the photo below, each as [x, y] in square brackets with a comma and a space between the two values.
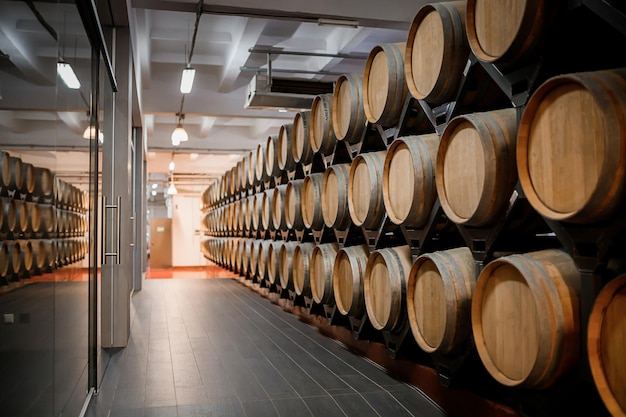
[272, 169]
[312, 201]
[279, 217]
[573, 131]
[5, 171]
[285, 261]
[323, 138]
[238, 169]
[386, 274]
[28, 178]
[263, 249]
[436, 51]
[272, 263]
[321, 274]
[409, 189]
[259, 174]
[248, 208]
[243, 178]
[525, 318]
[384, 86]
[293, 205]
[34, 216]
[439, 299]
[302, 268]
[257, 211]
[283, 148]
[61, 192]
[335, 209]
[5, 257]
[254, 257]
[301, 138]
[9, 215]
[16, 180]
[349, 121]
[16, 259]
[508, 32]
[44, 182]
[606, 344]
[22, 217]
[365, 189]
[268, 210]
[476, 170]
[349, 278]
[251, 168]
[27, 259]
[42, 254]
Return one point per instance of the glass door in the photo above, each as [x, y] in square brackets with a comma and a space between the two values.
[49, 156]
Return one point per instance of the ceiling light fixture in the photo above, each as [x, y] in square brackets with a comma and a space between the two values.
[90, 133]
[67, 74]
[155, 185]
[186, 81]
[171, 190]
[172, 165]
[179, 134]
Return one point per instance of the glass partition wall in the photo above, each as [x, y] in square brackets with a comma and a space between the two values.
[51, 85]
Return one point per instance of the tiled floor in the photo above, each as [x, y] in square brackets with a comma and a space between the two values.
[216, 348]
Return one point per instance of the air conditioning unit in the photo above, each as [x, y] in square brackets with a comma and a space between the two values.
[265, 93]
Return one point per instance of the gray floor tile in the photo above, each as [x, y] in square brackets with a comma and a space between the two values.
[259, 409]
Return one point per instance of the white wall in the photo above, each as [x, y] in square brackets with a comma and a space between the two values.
[186, 220]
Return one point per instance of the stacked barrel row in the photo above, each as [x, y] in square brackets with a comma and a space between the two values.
[43, 221]
[563, 149]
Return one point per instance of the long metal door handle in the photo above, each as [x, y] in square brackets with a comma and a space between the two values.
[103, 224]
[118, 209]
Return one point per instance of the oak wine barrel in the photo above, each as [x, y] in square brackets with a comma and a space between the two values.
[263, 249]
[283, 148]
[439, 299]
[386, 274]
[571, 147]
[5, 258]
[5, 171]
[476, 171]
[273, 257]
[251, 168]
[302, 268]
[28, 178]
[285, 261]
[365, 189]
[409, 189]
[268, 210]
[349, 278]
[349, 121]
[508, 33]
[323, 137]
[384, 85]
[321, 273]
[9, 215]
[311, 201]
[272, 169]
[293, 205]
[525, 318]
[260, 174]
[279, 216]
[16, 259]
[335, 209]
[436, 51]
[301, 138]
[606, 344]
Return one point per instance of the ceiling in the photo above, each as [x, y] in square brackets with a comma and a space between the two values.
[37, 110]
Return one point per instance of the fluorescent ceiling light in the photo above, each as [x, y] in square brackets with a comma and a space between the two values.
[154, 192]
[171, 190]
[155, 185]
[186, 81]
[67, 75]
[337, 22]
[172, 165]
